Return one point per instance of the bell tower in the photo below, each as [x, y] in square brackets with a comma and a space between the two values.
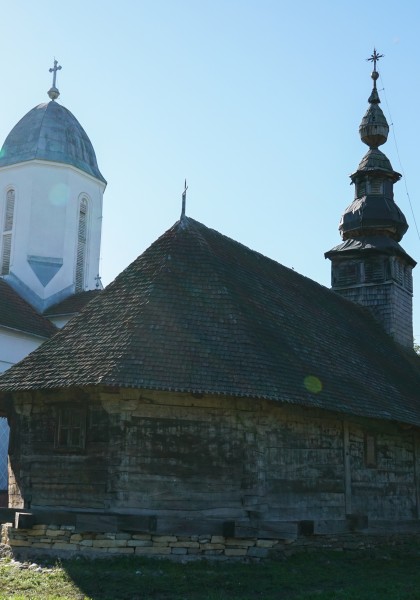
[369, 266]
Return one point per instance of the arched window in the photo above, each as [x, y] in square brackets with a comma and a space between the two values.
[6, 242]
[81, 245]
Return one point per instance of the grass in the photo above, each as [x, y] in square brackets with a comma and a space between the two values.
[386, 574]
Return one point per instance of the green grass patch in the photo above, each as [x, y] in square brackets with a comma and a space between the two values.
[385, 574]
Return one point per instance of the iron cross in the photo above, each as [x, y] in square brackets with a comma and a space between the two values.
[54, 70]
[374, 58]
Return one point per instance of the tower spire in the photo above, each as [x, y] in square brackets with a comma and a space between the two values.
[184, 199]
[369, 266]
[53, 92]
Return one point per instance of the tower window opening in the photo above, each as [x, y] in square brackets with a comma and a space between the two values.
[361, 189]
[6, 247]
[81, 245]
[375, 186]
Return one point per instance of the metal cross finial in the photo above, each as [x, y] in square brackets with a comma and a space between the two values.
[374, 58]
[53, 92]
[184, 199]
[54, 70]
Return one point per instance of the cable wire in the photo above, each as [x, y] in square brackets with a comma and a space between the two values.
[399, 158]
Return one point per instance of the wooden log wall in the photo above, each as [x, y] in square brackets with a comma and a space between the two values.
[187, 458]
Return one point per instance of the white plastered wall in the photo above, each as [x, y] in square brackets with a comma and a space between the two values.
[46, 225]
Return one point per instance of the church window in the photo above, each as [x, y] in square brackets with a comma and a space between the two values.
[71, 430]
[6, 247]
[81, 245]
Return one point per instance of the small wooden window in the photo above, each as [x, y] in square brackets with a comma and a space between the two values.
[71, 428]
[376, 186]
[408, 279]
[398, 272]
[6, 249]
[346, 274]
[374, 271]
[361, 189]
[370, 450]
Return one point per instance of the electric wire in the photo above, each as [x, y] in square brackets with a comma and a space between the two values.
[399, 157]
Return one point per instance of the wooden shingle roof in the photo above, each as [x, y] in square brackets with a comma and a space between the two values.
[199, 312]
[71, 305]
[19, 315]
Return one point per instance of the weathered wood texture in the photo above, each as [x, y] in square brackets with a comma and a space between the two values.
[183, 458]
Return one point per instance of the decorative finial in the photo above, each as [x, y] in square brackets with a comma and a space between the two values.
[184, 199]
[53, 93]
[374, 128]
[98, 280]
[374, 58]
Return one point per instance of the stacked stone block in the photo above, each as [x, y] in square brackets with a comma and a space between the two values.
[64, 541]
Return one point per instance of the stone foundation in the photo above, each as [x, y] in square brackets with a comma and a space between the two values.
[63, 541]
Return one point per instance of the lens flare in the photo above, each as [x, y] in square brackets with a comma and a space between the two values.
[59, 194]
[312, 384]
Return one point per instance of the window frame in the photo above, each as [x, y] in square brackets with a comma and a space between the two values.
[76, 428]
[7, 234]
[81, 244]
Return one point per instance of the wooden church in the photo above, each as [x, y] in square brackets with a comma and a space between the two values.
[211, 401]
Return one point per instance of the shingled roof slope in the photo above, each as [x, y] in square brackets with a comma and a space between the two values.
[16, 313]
[199, 312]
[71, 305]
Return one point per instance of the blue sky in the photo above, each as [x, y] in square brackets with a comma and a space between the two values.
[256, 103]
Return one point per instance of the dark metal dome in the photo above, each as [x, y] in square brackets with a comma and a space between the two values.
[50, 132]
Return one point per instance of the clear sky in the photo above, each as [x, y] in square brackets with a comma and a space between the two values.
[256, 102]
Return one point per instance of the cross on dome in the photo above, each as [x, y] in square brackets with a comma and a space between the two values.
[374, 58]
[53, 92]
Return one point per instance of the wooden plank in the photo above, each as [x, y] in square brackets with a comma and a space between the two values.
[189, 526]
[347, 468]
[138, 523]
[330, 526]
[97, 522]
[54, 517]
[417, 473]
[388, 526]
[267, 529]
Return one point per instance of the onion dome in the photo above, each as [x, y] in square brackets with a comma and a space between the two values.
[374, 127]
[370, 215]
[50, 132]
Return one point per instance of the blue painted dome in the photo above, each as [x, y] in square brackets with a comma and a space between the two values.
[50, 132]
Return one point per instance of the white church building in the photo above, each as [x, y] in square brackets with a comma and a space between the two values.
[51, 193]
